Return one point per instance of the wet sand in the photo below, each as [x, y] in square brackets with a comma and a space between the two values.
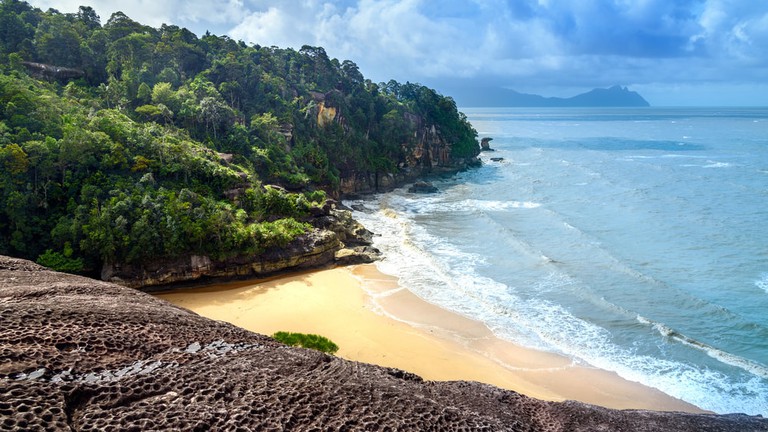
[374, 320]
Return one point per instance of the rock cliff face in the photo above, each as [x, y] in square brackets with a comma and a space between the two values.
[79, 355]
[313, 250]
[428, 154]
[336, 238]
[52, 72]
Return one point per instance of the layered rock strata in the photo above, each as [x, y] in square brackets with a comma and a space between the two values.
[80, 355]
[336, 239]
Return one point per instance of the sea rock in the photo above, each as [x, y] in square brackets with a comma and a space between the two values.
[423, 187]
[497, 159]
[349, 231]
[357, 255]
[485, 144]
[81, 354]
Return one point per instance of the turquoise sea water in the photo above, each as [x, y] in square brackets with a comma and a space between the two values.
[635, 240]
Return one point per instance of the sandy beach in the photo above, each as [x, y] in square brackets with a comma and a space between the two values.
[374, 320]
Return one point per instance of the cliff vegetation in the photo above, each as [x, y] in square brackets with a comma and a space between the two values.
[123, 144]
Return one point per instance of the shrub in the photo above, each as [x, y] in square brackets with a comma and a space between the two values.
[62, 262]
[311, 341]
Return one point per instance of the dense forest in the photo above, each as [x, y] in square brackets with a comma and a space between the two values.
[123, 143]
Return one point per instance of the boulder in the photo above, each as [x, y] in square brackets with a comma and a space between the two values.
[423, 188]
[357, 255]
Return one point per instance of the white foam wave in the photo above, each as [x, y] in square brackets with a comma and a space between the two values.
[447, 275]
[488, 205]
[590, 343]
[715, 164]
[435, 205]
[722, 356]
[682, 156]
[762, 283]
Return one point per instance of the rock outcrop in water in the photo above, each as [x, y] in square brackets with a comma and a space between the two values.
[80, 355]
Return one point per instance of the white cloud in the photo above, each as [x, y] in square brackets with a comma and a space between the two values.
[192, 13]
[518, 43]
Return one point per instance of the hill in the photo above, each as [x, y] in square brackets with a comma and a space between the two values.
[615, 96]
[123, 145]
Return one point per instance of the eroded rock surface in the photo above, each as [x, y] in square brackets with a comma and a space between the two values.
[80, 354]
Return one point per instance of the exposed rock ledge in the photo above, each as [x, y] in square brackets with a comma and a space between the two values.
[336, 239]
[79, 354]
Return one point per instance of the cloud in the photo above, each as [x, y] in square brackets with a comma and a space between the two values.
[194, 14]
[517, 39]
[388, 36]
[519, 43]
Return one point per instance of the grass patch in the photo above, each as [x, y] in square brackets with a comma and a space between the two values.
[311, 341]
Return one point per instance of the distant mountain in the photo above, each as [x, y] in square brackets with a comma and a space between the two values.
[615, 96]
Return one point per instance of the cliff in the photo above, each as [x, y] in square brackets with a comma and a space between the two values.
[80, 354]
[52, 72]
[431, 155]
[335, 239]
[425, 151]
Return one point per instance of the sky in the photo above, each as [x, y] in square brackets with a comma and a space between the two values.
[673, 52]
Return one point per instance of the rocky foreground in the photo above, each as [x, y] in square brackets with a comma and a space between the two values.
[80, 354]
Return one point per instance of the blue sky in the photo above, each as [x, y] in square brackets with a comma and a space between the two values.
[673, 52]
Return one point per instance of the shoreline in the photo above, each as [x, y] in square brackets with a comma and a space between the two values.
[375, 320]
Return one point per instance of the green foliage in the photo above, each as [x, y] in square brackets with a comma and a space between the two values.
[161, 149]
[275, 202]
[61, 261]
[311, 341]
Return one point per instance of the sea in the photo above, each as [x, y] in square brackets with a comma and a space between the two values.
[631, 239]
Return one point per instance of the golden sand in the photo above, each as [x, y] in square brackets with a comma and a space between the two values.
[374, 320]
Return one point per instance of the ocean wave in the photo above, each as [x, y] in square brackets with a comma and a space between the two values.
[486, 205]
[715, 164]
[447, 274]
[762, 283]
[592, 344]
[719, 355]
[432, 204]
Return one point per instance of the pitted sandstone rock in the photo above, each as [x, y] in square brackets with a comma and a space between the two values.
[79, 354]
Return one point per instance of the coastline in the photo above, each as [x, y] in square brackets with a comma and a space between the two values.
[374, 320]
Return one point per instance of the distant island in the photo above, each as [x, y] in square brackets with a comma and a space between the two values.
[616, 96]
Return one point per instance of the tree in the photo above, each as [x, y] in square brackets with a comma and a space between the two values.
[88, 17]
[144, 94]
[13, 159]
[16, 33]
[162, 93]
[119, 26]
[58, 42]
